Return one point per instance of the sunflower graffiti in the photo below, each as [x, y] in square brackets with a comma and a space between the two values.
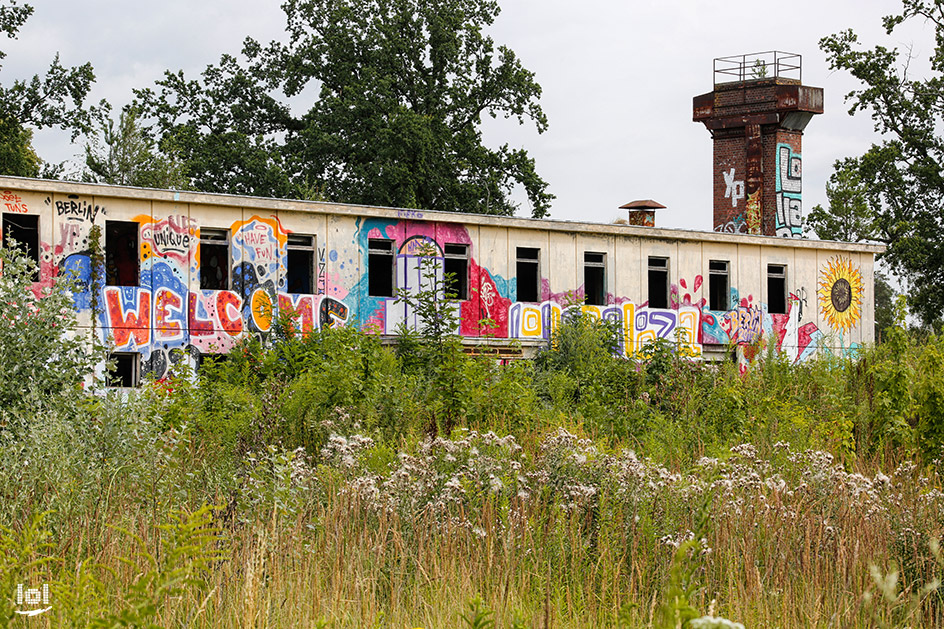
[840, 294]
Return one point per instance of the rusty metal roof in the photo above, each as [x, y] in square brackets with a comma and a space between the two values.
[643, 204]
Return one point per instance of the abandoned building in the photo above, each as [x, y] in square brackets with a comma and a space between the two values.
[187, 274]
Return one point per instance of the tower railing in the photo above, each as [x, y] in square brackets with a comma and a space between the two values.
[758, 65]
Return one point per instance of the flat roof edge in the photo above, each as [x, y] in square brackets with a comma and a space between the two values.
[267, 203]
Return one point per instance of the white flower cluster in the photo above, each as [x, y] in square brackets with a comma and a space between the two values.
[448, 481]
[342, 451]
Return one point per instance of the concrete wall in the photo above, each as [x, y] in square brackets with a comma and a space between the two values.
[168, 318]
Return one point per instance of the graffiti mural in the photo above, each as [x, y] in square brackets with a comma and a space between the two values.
[165, 316]
[840, 294]
[789, 222]
[640, 325]
[483, 313]
[744, 324]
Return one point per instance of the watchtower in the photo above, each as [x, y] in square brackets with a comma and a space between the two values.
[756, 115]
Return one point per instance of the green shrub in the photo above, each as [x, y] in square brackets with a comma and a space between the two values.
[43, 361]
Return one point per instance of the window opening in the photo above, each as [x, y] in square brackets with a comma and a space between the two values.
[380, 268]
[528, 273]
[24, 230]
[456, 269]
[594, 278]
[125, 370]
[121, 253]
[776, 289]
[214, 259]
[718, 293]
[300, 271]
[658, 282]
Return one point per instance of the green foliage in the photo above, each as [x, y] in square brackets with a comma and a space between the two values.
[848, 217]
[479, 616]
[579, 371]
[23, 554]
[187, 552]
[884, 306]
[434, 350]
[929, 399]
[127, 156]
[17, 156]
[894, 604]
[53, 100]
[893, 193]
[403, 88]
[42, 361]
[894, 396]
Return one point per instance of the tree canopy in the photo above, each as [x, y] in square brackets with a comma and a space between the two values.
[125, 155]
[895, 191]
[402, 88]
[55, 99]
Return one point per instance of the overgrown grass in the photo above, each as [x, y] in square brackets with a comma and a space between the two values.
[350, 487]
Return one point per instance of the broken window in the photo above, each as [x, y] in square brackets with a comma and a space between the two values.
[777, 289]
[300, 271]
[528, 274]
[124, 369]
[214, 259]
[23, 229]
[380, 268]
[718, 285]
[658, 282]
[456, 269]
[121, 253]
[594, 278]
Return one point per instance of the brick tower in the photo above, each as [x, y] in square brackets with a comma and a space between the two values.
[756, 116]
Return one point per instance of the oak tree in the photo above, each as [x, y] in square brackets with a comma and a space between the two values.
[55, 99]
[402, 87]
[900, 179]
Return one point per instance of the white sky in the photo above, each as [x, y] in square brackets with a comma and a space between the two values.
[618, 80]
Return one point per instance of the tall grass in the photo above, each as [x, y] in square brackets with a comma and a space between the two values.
[329, 481]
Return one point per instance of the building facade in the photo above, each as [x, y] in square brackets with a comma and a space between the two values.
[189, 274]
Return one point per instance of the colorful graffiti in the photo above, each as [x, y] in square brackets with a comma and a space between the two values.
[789, 221]
[168, 318]
[483, 313]
[840, 294]
[640, 325]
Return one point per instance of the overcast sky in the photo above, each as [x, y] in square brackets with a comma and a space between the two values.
[618, 80]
